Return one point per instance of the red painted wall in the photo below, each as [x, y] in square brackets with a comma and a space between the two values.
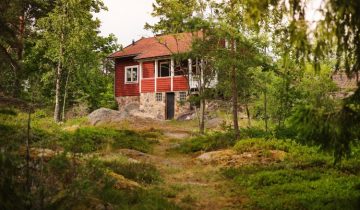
[163, 84]
[149, 69]
[148, 85]
[180, 83]
[122, 89]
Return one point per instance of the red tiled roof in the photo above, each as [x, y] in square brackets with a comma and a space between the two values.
[158, 46]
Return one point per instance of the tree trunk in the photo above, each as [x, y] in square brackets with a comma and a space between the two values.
[234, 95]
[202, 116]
[202, 99]
[27, 144]
[20, 51]
[248, 114]
[265, 108]
[65, 95]
[58, 90]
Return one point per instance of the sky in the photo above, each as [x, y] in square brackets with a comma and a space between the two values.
[126, 19]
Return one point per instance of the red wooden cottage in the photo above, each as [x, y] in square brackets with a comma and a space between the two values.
[147, 78]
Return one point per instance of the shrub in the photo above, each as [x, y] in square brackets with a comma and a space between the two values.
[305, 180]
[208, 142]
[89, 139]
[140, 172]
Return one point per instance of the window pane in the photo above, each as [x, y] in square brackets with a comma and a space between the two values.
[164, 70]
[158, 96]
[195, 66]
[134, 74]
[182, 68]
[128, 74]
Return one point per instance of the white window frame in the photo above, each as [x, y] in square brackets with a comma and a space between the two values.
[137, 74]
[159, 70]
[182, 99]
[158, 96]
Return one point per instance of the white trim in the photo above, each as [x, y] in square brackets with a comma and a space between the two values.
[137, 72]
[140, 75]
[190, 73]
[172, 65]
[164, 62]
[156, 72]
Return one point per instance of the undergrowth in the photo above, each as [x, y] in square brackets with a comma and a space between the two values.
[140, 172]
[208, 142]
[306, 179]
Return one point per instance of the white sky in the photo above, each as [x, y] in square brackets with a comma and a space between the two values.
[126, 19]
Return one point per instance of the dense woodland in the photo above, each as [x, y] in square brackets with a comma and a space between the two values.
[289, 135]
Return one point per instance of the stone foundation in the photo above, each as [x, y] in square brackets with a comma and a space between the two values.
[146, 105]
[181, 107]
[128, 103]
[150, 106]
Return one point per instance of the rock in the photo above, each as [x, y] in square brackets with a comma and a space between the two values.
[140, 114]
[123, 183]
[218, 157]
[135, 155]
[132, 107]
[214, 123]
[230, 157]
[104, 115]
[177, 135]
[187, 116]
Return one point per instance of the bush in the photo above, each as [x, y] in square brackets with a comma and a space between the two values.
[305, 180]
[208, 142]
[89, 139]
[139, 172]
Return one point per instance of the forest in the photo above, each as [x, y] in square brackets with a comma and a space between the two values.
[281, 129]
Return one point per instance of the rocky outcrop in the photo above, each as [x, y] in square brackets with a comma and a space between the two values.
[104, 115]
[232, 158]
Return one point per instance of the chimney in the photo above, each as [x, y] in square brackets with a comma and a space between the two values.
[133, 42]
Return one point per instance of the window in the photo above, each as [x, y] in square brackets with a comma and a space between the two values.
[182, 96]
[131, 74]
[195, 66]
[181, 68]
[158, 96]
[164, 69]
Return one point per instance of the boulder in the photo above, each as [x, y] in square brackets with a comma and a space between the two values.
[229, 157]
[187, 116]
[214, 123]
[104, 115]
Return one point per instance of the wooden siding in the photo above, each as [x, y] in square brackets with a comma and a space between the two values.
[149, 69]
[180, 83]
[148, 85]
[122, 89]
[163, 84]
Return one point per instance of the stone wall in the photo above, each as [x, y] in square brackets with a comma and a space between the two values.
[150, 106]
[128, 103]
[156, 109]
[181, 107]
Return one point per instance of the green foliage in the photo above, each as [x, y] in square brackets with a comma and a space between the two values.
[139, 172]
[306, 178]
[207, 142]
[89, 139]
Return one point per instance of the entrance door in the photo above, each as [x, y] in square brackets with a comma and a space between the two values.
[170, 105]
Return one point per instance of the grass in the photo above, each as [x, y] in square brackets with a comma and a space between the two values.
[140, 172]
[306, 179]
[208, 142]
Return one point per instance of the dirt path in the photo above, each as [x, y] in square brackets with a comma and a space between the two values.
[189, 183]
